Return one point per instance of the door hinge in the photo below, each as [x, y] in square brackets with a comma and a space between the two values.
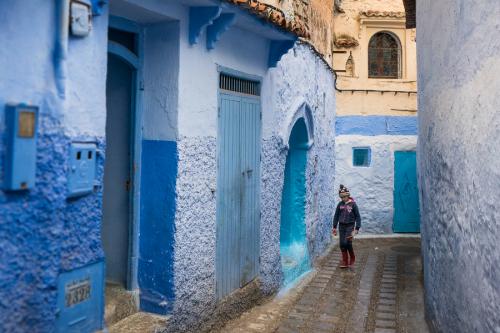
[141, 85]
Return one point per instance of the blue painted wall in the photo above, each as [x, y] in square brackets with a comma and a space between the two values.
[41, 233]
[376, 125]
[156, 276]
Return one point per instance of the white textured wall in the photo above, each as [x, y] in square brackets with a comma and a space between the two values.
[301, 77]
[372, 187]
[459, 161]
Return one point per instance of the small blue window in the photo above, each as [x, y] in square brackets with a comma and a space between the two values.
[361, 157]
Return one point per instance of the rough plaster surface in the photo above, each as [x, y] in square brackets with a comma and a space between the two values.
[194, 258]
[372, 187]
[302, 76]
[459, 162]
[41, 233]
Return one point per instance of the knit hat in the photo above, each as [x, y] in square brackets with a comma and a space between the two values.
[343, 190]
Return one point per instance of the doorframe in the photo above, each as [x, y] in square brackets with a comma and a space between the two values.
[241, 75]
[136, 62]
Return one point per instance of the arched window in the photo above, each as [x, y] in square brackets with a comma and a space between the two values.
[384, 56]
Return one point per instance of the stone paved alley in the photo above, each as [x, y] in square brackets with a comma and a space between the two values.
[383, 293]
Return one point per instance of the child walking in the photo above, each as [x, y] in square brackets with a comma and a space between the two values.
[349, 221]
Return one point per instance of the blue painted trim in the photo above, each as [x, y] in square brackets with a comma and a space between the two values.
[199, 18]
[239, 74]
[121, 23]
[376, 125]
[124, 53]
[218, 27]
[158, 204]
[278, 49]
[136, 151]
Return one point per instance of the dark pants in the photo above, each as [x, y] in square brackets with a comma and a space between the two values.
[345, 230]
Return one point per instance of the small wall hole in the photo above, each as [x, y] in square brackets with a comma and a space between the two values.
[89, 155]
[79, 155]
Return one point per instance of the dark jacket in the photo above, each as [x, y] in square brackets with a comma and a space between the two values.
[347, 213]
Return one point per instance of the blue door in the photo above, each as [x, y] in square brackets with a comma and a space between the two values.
[117, 169]
[406, 203]
[238, 209]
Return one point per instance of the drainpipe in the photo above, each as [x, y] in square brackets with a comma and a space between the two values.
[61, 46]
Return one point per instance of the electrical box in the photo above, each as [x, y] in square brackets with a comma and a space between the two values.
[82, 168]
[80, 299]
[81, 18]
[21, 122]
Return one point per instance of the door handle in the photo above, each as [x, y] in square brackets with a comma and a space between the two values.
[249, 173]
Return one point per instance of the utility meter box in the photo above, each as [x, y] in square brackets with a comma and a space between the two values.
[80, 299]
[81, 18]
[82, 168]
[21, 122]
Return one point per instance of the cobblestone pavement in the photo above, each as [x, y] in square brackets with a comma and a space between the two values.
[382, 293]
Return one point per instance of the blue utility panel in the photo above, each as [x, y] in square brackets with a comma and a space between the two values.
[20, 160]
[80, 299]
[82, 169]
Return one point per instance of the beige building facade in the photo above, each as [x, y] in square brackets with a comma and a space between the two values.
[356, 22]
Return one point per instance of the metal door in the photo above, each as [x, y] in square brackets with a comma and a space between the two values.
[238, 211]
[406, 202]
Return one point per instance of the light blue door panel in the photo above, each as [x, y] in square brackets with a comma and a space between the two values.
[250, 211]
[406, 202]
[228, 196]
[238, 211]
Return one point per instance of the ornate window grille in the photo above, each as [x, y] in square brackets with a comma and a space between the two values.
[384, 56]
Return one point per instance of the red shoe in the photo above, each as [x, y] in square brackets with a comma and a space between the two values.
[352, 258]
[343, 263]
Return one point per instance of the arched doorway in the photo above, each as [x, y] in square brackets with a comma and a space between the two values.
[295, 259]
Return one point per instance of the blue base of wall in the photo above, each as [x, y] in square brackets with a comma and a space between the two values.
[42, 234]
[159, 174]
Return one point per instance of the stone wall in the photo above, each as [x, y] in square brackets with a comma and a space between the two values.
[459, 162]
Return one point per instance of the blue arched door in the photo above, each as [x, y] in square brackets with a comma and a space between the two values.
[293, 241]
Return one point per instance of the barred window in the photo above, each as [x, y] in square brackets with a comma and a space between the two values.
[384, 56]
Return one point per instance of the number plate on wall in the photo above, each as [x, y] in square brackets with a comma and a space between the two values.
[77, 292]
[80, 299]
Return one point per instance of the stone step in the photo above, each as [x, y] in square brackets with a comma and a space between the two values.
[119, 304]
[142, 322]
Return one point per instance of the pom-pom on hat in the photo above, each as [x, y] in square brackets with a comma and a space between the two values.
[343, 191]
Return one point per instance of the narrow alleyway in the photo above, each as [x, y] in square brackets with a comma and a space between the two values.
[383, 293]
